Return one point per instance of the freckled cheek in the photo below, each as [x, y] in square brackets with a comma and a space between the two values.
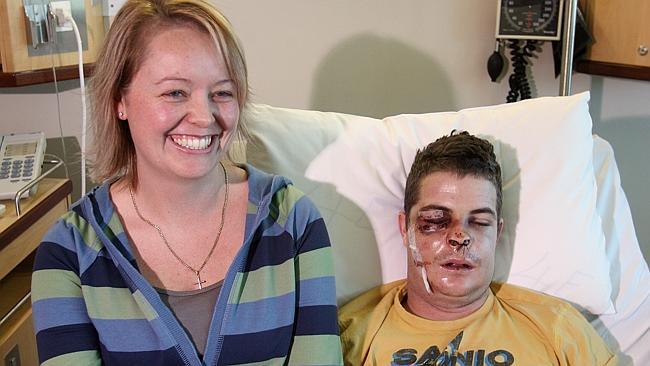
[159, 117]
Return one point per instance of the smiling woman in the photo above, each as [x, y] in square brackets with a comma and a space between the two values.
[176, 104]
[203, 260]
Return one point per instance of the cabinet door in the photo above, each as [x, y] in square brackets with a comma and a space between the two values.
[619, 28]
[17, 340]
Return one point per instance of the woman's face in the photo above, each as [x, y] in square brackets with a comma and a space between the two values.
[181, 106]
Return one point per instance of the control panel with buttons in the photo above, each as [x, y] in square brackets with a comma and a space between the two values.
[21, 157]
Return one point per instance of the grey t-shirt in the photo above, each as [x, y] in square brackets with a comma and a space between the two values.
[193, 309]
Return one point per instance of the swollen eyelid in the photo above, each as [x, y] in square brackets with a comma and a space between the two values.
[429, 227]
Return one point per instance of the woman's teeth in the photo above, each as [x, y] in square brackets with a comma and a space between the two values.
[192, 143]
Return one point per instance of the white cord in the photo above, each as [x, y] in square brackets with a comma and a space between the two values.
[82, 87]
[58, 113]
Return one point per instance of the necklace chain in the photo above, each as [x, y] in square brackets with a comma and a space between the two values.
[164, 239]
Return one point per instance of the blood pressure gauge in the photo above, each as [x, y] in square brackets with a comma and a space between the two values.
[529, 19]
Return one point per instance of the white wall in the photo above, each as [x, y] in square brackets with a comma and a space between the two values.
[380, 57]
[37, 108]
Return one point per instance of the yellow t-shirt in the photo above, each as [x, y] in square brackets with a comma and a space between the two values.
[515, 326]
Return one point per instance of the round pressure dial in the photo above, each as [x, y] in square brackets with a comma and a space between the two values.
[530, 19]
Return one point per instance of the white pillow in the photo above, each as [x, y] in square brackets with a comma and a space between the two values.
[367, 161]
[626, 330]
[284, 141]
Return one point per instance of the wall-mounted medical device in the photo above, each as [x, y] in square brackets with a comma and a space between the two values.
[38, 29]
[529, 19]
[522, 26]
[49, 26]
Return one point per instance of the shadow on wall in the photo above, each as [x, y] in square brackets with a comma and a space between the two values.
[378, 77]
[629, 137]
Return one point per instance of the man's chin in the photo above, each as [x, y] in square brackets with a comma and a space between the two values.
[460, 290]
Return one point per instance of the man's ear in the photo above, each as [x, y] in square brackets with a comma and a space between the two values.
[499, 229]
[403, 229]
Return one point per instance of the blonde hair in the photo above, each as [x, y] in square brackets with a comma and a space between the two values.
[113, 153]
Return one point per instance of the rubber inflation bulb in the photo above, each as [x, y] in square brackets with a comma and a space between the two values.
[495, 65]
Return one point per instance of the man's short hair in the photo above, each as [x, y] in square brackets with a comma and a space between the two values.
[460, 153]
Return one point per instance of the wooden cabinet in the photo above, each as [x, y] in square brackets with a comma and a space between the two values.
[19, 238]
[621, 32]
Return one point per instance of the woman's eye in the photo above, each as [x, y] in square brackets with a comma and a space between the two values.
[175, 93]
[223, 95]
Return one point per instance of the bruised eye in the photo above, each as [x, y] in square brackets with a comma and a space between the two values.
[429, 221]
[430, 226]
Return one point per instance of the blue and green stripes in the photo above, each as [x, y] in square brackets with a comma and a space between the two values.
[278, 306]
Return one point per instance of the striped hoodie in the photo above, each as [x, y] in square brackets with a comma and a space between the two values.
[91, 305]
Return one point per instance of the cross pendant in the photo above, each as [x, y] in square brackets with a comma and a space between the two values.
[198, 280]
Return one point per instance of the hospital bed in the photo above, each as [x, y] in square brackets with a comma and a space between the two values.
[569, 230]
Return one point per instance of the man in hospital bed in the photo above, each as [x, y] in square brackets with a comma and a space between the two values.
[447, 311]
